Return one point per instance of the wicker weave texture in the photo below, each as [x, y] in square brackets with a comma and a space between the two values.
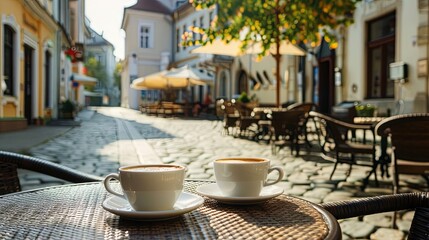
[9, 181]
[75, 212]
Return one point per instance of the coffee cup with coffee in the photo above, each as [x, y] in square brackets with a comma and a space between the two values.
[244, 177]
[149, 187]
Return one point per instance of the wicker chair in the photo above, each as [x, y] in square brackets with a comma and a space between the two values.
[345, 150]
[10, 162]
[409, 134]
[387, 203]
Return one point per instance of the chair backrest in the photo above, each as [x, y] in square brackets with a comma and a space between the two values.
[307, 107]
[9, 162]
[409, 134]
[337, 129]
[283, 122]
[229, 107]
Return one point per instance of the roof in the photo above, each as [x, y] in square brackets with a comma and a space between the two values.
[150, 6]
[96, 39]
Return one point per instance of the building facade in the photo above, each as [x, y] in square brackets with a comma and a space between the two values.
[386, 32]
[148, 46]
[28, 46]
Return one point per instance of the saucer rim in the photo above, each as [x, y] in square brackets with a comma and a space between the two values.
[152, 215]
[238, 200]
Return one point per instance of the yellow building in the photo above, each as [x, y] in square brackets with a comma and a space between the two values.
[28, 63]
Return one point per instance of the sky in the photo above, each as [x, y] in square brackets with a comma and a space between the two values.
[106, 18]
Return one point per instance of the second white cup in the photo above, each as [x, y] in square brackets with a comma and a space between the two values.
[244, 177]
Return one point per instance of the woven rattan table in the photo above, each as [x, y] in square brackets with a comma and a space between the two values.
[74, 212]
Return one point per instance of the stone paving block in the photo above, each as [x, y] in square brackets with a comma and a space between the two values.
[379, 220]
[385, 233]
[356, 229]
[296, 191]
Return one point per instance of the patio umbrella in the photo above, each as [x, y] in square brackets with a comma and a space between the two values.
[152, 81]
[162, 81]
[193, 75]
[233, 48]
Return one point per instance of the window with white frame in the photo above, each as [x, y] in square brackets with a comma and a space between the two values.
[146, 35]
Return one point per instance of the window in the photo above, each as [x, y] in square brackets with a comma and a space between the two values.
[381, 52]
[47, 78]
[145, 36]
[201, 26]
[9, 59]
[210, 18]
[177, 40]
[184, 34]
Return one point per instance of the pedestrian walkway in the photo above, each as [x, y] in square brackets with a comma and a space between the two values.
[113, 137]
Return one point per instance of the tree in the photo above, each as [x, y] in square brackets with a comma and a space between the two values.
[271, 22]
[96, 69]
[117, 73]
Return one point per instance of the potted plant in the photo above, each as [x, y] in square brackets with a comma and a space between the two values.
[365, 110]
[67, 109]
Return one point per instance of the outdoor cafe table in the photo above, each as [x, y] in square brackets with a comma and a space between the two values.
[75, 211]
[384, 158]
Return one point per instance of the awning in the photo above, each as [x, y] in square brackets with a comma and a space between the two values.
[92, 94]
[83, 79]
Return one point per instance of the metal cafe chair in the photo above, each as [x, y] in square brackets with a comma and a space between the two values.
[345, 150]
[409, 136]
[10, 162]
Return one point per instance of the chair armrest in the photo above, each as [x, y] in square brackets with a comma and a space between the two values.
[378, 204]
[47, 167]
[350, 126]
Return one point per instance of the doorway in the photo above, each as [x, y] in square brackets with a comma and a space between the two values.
[326, 88]
[28, 83]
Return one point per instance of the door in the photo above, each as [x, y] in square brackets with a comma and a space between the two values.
[28, 83]
[326, 88]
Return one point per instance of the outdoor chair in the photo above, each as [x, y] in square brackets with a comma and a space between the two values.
[286, 127]
[409, 135]
[10, 162]
[387, 203]
[230, 117]
[306, 107]
[346, 151]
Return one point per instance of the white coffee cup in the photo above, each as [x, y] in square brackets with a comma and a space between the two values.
[244, 177]
[149, 187]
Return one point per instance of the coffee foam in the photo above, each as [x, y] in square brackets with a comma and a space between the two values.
[153, 168]
[250, 160]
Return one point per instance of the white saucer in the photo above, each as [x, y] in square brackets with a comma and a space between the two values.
[213, 191]
[187, 202]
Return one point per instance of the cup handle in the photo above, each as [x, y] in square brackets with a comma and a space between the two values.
[281, 174]
[106, 183]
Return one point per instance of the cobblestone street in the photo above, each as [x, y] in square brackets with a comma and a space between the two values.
[113, 137]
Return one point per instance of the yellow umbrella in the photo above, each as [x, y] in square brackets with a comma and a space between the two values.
[193, 75]
[162, 81]
[233, 48]
[152, 81]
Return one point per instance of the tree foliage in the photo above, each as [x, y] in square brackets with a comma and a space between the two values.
[96, 69]
[270, 21]
[117, 74]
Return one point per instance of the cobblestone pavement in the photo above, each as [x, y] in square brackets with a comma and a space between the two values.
[114, 137]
